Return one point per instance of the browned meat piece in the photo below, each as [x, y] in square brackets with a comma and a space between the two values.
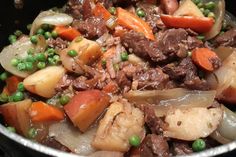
[58, 43]
[151, 79]
[181, 148]
[186, 73]
[152, 15]
[137, 43]
[51, 142]
[123, 81]
[193, 43]
[82, 83]
[170, 6]
[154, 146]
[92, 27]
[79, 10]
[64, 83]
[226, 39]
[106, 3]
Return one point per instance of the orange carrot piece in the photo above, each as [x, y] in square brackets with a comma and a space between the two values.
[131, 21]
[68, 33]
[101, 11]
[203, 56]
[111, 87]
[198, 24]
[12, 83]
[42, 112]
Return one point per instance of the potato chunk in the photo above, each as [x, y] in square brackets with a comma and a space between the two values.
[192, 123]
[120, 122]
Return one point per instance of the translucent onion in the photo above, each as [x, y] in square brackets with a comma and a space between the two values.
[111, 22]
[16, 50]
[220, 13]
[219, 138]
[72, 138]
[52, 18]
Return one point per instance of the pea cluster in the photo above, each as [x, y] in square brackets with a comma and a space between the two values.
[206, 8]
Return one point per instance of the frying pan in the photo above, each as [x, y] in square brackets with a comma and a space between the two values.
[13, 145]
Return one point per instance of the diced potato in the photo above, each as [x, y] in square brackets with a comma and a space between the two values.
[188, 8]
[119, 123]
[192, 123]
[85, 107]
[88, 50]
[43, 82]
[16, 115]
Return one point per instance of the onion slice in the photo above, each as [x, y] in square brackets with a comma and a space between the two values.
[52, 18]
[72, 138]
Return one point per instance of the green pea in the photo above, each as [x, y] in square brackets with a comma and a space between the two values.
[197, 1]
[211, 15]
[200, 5]
[54, 34]
[18, 96]
[198, 145]
[30, 51]
[40, 31]
[56, 58]
[15, 62]
[104, 62]
[30, 58]
[11, 129]
[134, 140]
[124, 56]
[20, 87]
[32, 133]
[210, 5]
[50, 51]
[206, 12]
[64, 99]
[202, 10]
[34, 39]
[103, 49]
[3, 76]
[40, 57]
[41, 65]
[4, 98]
[29, 66]
[51, 61]
[21, 66]
[47, 35]
[18, 33]
[200, 37]
[12, 38]
[112, 10]
[72, 53]
[140, 13]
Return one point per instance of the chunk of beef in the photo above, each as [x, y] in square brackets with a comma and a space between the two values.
[193, 42]
[64, 83]
[51, 142]
[151, 79]
[181, 148]
[154, 146]
[137, 43]
[79, 10]
[58, 43]
[123, 81]
[152, 15]
[226, 39]
[92, 27]
[82, 83]
[106, 3]
[186, 73]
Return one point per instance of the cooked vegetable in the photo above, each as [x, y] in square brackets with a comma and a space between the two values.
[198, 145]
[180, 120]
[32, 133]
[72, 53]
[198, 24]
[85, 107]
[64, 99]
[129, 20]
[52, 18]
[219, 14]
[100, 11]
[188, 8]
[203, 56]
[15, 114]
[68, 33]
[33, 39]
[43, 82]
[120, 122]
[225, 79]
[134, 140]
[12, 83]
[17, 96]
[73, 139]
[11, 129]
[42, 112]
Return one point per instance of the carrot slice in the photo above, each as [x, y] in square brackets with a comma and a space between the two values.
[198, 24]
[12, 83]
[101, 11]
[42, 112]
[131, 21]
[68, 33]
[111, 87]
[203, 56]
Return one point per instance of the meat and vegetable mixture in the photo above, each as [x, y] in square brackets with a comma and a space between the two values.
[144, 78]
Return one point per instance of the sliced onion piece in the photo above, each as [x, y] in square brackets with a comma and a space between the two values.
[219, 138]
[111, 22]
[224, 52]
[16, 50]
[52, 18]
[220, 14]
[72, 138]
